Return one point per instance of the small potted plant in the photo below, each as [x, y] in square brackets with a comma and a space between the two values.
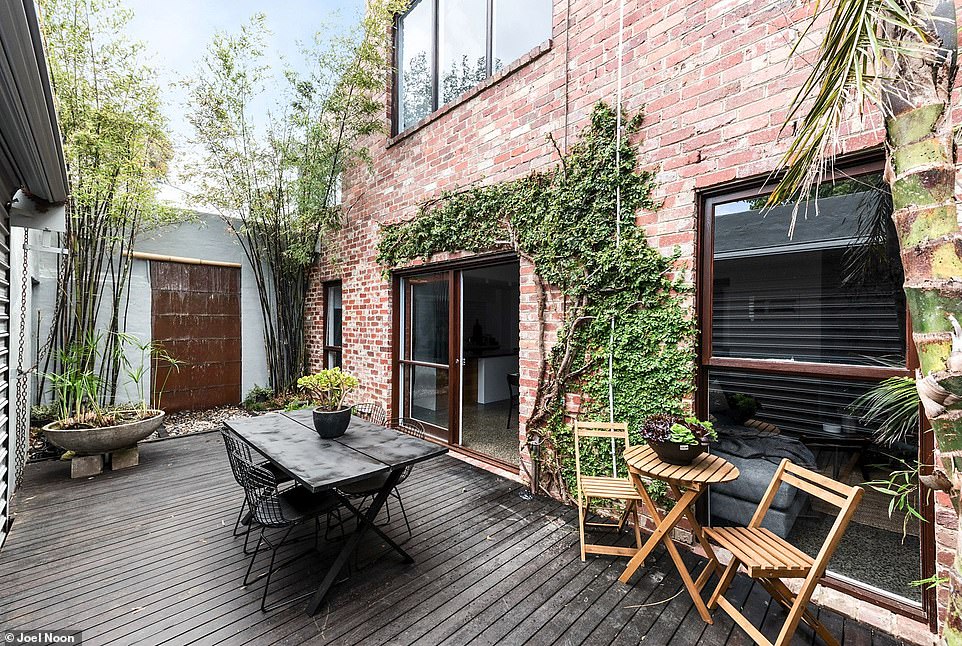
[741, 407]
[326, 390]
[676, 439]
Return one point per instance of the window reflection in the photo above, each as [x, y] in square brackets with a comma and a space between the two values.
[832, 293]
[429, 320]
[439, 60]
[463, 27]
[519, 27]
[416, 68]
[333, 325]
[829, 294]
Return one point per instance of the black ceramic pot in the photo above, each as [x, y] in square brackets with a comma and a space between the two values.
[331, 424]
[676, 453]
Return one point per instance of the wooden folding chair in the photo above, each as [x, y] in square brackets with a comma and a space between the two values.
[605, 488]
[769, 558]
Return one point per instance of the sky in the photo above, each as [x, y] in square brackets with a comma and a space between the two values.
[176, 32]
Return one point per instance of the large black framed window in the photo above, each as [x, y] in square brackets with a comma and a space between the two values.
[333, 321]
[795, 328]
[446, 47]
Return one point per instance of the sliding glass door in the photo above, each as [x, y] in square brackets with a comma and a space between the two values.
[425, 357]
[457, 359]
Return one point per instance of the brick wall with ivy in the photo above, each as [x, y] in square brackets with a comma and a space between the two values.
[713, 79]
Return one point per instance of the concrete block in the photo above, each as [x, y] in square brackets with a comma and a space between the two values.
[124, 458]
[84, 466]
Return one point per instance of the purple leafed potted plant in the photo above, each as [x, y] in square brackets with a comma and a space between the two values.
[676, 439]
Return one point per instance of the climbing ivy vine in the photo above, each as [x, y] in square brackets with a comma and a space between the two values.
[563, 221]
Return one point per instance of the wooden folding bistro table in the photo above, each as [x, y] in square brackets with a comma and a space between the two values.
[694, 479]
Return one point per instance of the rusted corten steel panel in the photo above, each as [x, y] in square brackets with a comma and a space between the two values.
[196, 315]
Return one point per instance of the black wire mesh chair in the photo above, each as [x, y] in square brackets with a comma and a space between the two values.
[371, 412]
[368, 488]
[236, 445]
[284, 510]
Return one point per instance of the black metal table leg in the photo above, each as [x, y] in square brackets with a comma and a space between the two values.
[365, 521]
[362, 518]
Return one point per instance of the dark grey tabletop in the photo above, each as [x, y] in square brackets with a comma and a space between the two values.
[365, 450]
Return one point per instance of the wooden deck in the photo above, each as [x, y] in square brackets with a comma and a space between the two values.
[146, 556]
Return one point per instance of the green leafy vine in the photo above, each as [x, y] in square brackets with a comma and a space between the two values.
[563, 221]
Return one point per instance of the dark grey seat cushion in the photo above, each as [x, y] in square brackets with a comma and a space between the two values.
[734, 511]
[757, 456]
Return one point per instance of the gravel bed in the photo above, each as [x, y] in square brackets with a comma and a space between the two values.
[197, 421]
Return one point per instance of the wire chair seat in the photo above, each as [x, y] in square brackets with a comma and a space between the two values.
[369, 487]
[292, 506]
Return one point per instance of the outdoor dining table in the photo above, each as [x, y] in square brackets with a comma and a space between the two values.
[365, 451]
[694, 479]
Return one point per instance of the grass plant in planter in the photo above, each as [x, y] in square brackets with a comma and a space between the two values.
[327, 390]
[676, 439]
[84, 424]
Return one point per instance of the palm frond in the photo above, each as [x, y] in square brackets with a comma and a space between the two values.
[856, 48]
[894, 405]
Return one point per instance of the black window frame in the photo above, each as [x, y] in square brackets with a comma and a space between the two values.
[397, 75]
[329, 349]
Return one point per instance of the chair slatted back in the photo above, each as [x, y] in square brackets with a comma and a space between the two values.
[815, 484]
[845, 497]
[371, 412]
[613, 430]
[770, 558]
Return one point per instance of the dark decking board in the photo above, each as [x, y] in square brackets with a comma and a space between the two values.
[146, 556]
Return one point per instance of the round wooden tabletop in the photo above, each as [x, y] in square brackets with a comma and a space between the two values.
[705, 469]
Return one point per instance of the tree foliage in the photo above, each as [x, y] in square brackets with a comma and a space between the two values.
[563, 222]
[275, 186]
[116, 148]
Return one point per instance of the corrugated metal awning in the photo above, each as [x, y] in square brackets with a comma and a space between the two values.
[31, 154]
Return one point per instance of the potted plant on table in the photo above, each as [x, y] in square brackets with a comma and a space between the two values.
[327, 390]
[676, 439]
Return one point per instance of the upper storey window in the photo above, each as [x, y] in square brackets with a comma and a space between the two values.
[447, 47]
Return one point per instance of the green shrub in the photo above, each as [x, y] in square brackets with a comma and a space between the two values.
[258, 398]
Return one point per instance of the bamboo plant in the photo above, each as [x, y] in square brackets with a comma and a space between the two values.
[116, 146]
[275, 184]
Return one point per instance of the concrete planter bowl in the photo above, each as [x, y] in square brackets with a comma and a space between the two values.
[91, 441]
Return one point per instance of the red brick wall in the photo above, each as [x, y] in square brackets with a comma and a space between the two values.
[714, 79]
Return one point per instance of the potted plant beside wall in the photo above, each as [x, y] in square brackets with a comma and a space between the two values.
[84, 425]
[676, 439]
[327, 390]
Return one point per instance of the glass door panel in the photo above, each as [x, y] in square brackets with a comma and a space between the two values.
[425, 356]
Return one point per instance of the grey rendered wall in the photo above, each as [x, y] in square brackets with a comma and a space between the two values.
[206, 237]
